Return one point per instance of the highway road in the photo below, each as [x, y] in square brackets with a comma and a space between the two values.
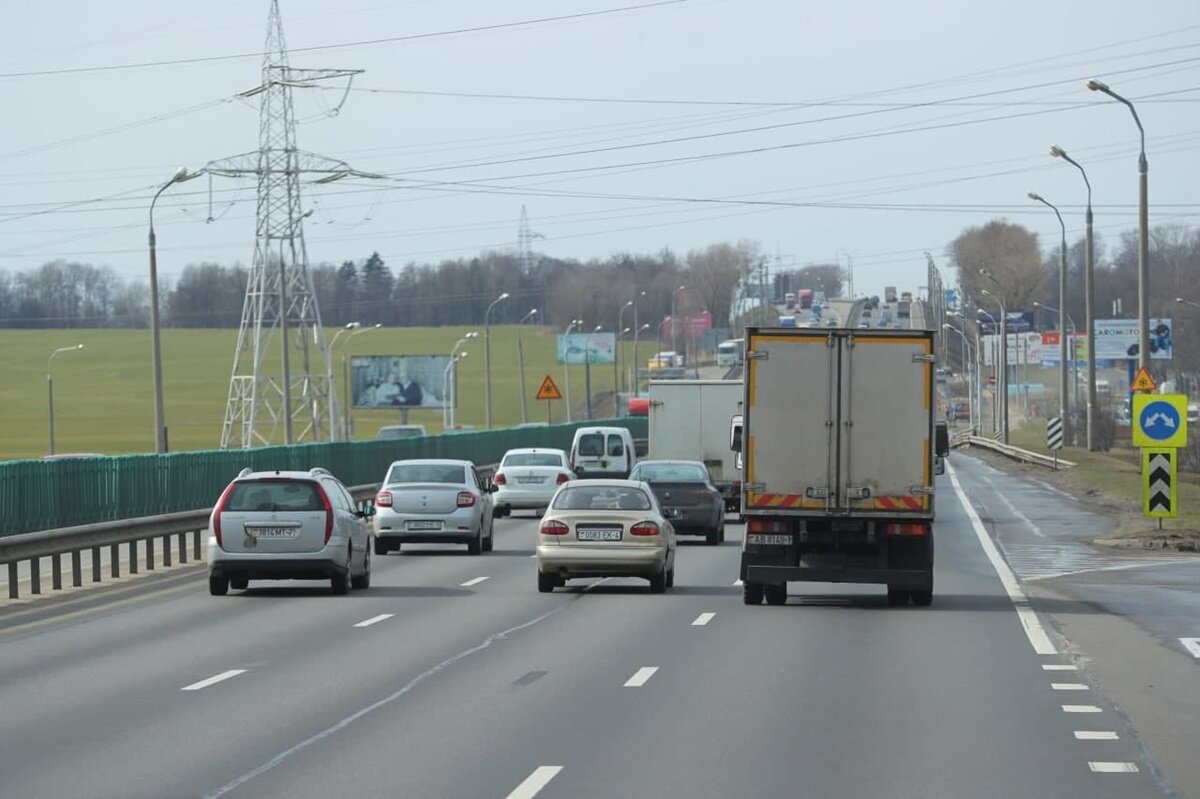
[452, 677]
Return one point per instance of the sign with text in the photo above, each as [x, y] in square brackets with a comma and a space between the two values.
[1118, 338]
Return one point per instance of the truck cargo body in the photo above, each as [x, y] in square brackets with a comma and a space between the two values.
[838, 450]
[689, 420]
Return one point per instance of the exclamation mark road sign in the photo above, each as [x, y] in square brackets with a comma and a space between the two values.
[1159, 493]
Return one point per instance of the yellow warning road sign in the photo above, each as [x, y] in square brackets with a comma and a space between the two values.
[1160, 493]
[1142, 381]
[548, 390]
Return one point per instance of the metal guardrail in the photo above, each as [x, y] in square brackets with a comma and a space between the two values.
[1018, 454]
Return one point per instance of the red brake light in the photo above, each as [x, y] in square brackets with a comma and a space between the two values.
[499, 479]
[328, 512]
[219, 509]
[644, 528]
[466, 499]
[562, 478]
[765, 526]
[553, 528]
[906, 529]
[384, 499]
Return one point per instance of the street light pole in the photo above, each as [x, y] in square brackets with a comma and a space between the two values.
[1143, 231]
[487, 355]
[1003, 356]
[964, 359]
[617, 359]
[587, 368]
[346, 379]
[521, 363]
[449, 419]
[675, 321]
[50, 387]
[1062, 314]
[329, 376]
[567, 362]
[454, 359]
[160, 424]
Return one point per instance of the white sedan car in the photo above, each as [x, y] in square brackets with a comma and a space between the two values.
[433, 502]
[528, 478]
[605, 528]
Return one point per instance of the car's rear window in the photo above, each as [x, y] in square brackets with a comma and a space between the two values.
[275, 495]
[427, 473]
[669, 473]
[591, 444]
[601, 498]
[532, 459]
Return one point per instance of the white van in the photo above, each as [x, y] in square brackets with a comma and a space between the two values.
[602, 452]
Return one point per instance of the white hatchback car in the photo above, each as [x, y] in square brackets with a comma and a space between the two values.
[433, 502]
[528, 478]
[288, 525]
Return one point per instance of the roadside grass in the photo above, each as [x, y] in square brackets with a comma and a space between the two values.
[103, 395]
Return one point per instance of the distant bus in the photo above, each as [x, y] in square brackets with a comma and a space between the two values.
[804, 299]
[729, 352]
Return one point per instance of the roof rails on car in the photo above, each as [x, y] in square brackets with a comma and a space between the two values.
[245, 472]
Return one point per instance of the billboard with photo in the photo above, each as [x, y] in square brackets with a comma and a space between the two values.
[398, 381]
[1118, 338]
[581, 348]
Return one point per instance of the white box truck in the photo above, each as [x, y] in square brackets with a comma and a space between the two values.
[689, 420]
[838, 443]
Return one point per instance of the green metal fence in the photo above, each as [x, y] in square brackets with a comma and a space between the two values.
[49, 494]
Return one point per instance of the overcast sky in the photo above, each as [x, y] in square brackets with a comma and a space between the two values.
[635, 124]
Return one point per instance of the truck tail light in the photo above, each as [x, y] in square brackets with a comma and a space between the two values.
[562, 478]
[765, 526]
[644, 528]
[907, 529]
[466, 499]
[218, 510]
[499, 479]
[328, 512]
[384, 499]
[553, 528]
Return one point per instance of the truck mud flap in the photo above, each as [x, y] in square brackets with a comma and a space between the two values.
[901, 578]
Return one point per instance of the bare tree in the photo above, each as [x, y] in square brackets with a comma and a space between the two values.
[1010, 254]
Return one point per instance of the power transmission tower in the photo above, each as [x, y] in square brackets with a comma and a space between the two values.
[525, 237]
[280, 312]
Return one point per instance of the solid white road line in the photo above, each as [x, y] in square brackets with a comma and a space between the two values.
[535, 782]
[1102, 767]
[1081, 709]
[1029, 621]
[640, 676]
[703, 619]
[225, 675]
[1095, 735]
[1192, 645]
[476, 581]
[375, 619]
[1068, 686]
[1058, 667]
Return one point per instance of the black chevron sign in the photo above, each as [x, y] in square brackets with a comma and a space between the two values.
[1159, 476]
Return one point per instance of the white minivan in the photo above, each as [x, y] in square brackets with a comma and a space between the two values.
[604, 452]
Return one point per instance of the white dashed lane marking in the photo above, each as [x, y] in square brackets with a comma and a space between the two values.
[216, 678]
[640, 676]
[534, 783]
[1058, 667]
[1103, 767]
[1081, 709]
[1191, 645]
[1095, 735]
[1068, 686]
[476, 581]
[703, 619]
[375, 619]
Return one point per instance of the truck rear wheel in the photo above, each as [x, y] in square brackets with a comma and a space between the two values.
[897, 596]
[752, 593]
[776, 594]
[923, 597]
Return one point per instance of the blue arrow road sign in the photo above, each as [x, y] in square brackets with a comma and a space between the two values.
[1160, 420]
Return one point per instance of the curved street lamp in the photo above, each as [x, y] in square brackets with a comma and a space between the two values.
[50, 387]
[454, 359]
[333, 414]
[674, 323]
[451, 398]
[1062, 314]
[567, 362]
[487, 355]
[966, 351]
[521, 363]
[1003, 381]
[160, 424]
[617, 359]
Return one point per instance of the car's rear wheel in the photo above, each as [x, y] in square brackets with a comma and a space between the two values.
[722, 536]
[218, 585]
[658, 582]
[546, 582]
[713, 537]
[239, 583]
[897, 596]
[752, 593]
[340, 583]
[775, 594]
[381, 547]
[363, 580]
[671, 578]
[475, 545]
[489, 543]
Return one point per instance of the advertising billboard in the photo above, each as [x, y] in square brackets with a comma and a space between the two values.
[398, 381]
[1118, 338]
[581, 348]
[1023, 349]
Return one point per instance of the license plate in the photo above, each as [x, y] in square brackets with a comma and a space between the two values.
[272, 532]
[769, 540]
[528, 480]
[598, 535]
[423, 526]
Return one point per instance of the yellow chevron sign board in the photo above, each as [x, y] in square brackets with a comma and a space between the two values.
[1160, 489]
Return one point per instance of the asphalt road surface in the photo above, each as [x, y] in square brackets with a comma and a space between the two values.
[452, 677]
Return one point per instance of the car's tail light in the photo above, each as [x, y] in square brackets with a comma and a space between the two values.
[906, 529]
[553, 528]
[562, 478]
[765, 526]
[328, 512]
[384, 499]
[644, 528]
[499, 479]
[218, 510]
[466, 499]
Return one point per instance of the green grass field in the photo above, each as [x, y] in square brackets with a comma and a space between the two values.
[103, 395]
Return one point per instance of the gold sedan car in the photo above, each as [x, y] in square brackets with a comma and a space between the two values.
[605, 528]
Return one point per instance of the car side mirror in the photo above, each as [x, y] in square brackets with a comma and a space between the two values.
[367, 512]
[941, 439]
